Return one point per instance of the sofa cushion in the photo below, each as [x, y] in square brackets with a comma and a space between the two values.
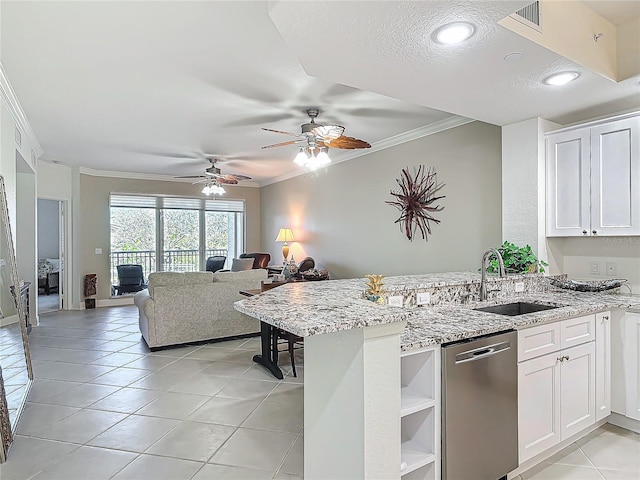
[240, 264]
[157, 279]
[253, 274]
[193, 278]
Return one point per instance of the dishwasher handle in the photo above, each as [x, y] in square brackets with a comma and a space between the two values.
[482, 352]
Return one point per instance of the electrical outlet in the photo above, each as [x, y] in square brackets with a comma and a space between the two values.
[594, 269]
[98, 251]
[423, 298]
[519, 287]
[612, 269]
[395, 301]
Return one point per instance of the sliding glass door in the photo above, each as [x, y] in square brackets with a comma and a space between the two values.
[173, 233]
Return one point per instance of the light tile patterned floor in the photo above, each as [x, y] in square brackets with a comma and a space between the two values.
[103, 406]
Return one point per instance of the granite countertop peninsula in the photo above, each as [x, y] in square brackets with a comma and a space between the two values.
[313, 308]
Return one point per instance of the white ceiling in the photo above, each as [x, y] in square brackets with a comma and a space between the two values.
[145, 87]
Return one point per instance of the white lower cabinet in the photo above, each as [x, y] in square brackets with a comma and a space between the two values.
[603, 365]
[557, 391]
[632, 363]
[577, 389]
[420, 414]
[625, 364]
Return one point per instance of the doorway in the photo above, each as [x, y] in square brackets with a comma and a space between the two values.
[50, 256]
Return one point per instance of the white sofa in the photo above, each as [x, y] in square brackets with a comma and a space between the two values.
[195, 306]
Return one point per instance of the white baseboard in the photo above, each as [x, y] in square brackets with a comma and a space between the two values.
[11, 319]
[115, 301]
[624, 422]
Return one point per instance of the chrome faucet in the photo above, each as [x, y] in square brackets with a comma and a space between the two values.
[483, 269]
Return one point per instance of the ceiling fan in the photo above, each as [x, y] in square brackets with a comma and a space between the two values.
[316, 136]
[213, 174]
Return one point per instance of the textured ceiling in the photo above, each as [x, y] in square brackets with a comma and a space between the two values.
[148, 87]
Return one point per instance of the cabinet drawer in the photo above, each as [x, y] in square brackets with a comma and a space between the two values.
[539, 340]
[576, 331]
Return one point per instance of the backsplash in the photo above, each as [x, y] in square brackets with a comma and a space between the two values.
[466, 289]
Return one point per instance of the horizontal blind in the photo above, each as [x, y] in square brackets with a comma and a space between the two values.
[132, 201]
[182, 203]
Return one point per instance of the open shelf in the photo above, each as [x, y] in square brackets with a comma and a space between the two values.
[412, 401]
[426, 472]
[419, 414]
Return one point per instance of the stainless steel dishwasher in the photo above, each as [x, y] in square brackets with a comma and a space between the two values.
[480, 407]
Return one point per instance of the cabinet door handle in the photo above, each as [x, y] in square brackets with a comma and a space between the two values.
[560, 359]
[584, 232]
[605, 318]
[566, 357]
[595, 232]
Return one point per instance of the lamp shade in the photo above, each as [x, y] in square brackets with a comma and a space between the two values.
[285, 235]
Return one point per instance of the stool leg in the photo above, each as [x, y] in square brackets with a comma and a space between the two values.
[293, 360]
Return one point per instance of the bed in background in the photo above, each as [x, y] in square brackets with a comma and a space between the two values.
[48, 275]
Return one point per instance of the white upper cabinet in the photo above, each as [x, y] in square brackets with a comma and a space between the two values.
[593, 179]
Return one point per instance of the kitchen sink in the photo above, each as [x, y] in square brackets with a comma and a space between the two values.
[517, 308]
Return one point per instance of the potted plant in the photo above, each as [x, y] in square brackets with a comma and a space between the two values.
[517, 260]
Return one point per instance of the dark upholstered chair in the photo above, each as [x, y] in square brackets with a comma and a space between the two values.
[306, 264]
[130, 279]
[215, 263]
[261, 260]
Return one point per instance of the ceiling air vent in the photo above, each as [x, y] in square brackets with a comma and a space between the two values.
[529, 16]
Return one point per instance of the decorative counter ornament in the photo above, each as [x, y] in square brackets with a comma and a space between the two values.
[374, 288]
[587, 285]
[415, 200]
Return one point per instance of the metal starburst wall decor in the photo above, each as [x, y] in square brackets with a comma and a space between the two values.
[416, 199]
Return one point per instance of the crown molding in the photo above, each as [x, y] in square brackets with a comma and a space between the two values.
[15, 109]
[148, 176]
[342, 156]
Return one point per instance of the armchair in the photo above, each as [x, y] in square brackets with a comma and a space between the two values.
[215, 263]
[261, 260]
[130, 279]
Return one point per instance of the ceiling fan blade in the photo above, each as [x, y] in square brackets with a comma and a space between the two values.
[328, 132]
[238, 176]
[231, 176]
[347, 143]
[193, 176]
[290, 142]
[204, 180]
[280, 131]
[227, 181]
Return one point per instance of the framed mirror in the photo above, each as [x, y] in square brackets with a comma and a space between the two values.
[16, 373]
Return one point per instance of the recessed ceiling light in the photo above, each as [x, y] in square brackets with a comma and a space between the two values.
[453, 33]
[513, 57]
[562, 78]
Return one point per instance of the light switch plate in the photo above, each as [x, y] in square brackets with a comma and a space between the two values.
[395, 301]
[423, 298]
[519, 287]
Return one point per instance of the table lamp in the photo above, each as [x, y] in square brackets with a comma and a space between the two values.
[285, 235]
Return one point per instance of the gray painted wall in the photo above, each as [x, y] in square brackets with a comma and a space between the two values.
[48, 229]
[340, 218]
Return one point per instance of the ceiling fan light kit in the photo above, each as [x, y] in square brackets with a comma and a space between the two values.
[213, 188]
[316, 139]
[213, 178]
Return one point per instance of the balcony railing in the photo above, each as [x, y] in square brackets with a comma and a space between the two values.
[172, 260]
